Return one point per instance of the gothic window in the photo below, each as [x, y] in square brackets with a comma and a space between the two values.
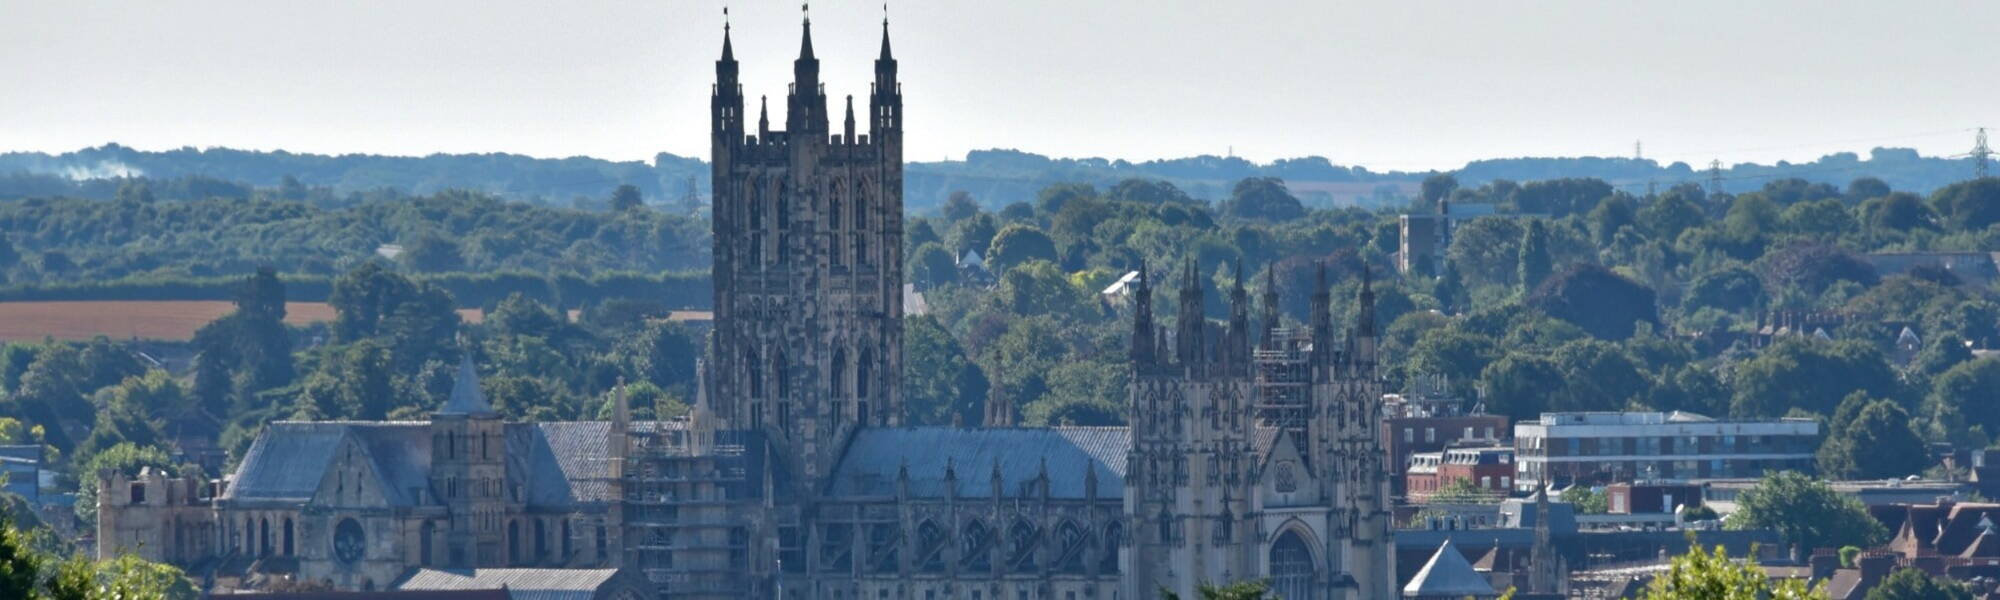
[1023, 540]
[1114, 538]
[784, 210]
[839, 376]
[1166, 523]
[860, 250]
[861, 207]
[1075, 544]
[833, 249]
[288, 536]
[833, 207]
[931, 541]
[349, 542]
[976, 547]
[836, 551]
[883, 542]
[755, 203]
[1214, 468]
[541, 539]
[424, 535]
[1292, 568]
[1225, 528]
[756, 377]
[778, 374]
[863, 370]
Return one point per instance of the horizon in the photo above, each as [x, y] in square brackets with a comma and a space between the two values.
[1411, 88]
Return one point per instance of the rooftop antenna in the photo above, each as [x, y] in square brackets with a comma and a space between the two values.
[725, 19]
[1638, 148]
[806, 9]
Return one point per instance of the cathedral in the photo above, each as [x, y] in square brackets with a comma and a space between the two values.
[1250, 451]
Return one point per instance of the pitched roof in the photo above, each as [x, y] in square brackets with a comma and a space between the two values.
[466, 399]
[560, 463]
[870, 465]
[1448, 575]
[521, 584]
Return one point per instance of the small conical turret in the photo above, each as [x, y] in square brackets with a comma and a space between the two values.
[849, 129]
[763, 117]
[1270, 301]
[1142, 320]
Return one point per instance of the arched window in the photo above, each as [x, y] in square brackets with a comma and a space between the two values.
[1021, 539]
[288, 536]
[833, 207]
[1075, 543]
[863, 373]
[1114, 537]
[514, 542]
[861, 250]
[861, 209]
[756, 205]
[778, 374]
[424, 534]
[976, 547]
[838, 377]
[264, 537]
[756, 377]
[1225, 528]
[1166, 526]
[1292, 568]
[784, 204]
[931, 541]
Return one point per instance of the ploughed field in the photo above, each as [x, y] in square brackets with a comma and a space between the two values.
[142, 319]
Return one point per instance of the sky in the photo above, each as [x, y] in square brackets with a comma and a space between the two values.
[1391, 85]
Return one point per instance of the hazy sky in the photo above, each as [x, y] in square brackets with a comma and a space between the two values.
[1389, 85]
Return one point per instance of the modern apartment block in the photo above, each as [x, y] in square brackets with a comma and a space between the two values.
[1606, 447]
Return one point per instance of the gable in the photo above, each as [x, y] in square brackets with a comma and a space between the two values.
[1285, 478]
[350, 479]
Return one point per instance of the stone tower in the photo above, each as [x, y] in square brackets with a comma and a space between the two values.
[1191, 454]
[469, 474]
[1257, 464]
[808, 263]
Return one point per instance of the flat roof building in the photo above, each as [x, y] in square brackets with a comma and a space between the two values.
[1606, 447]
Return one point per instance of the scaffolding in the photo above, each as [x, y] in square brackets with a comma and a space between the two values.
[1283, 372]
[692, 509]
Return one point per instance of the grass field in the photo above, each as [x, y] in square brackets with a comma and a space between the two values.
[143, 319]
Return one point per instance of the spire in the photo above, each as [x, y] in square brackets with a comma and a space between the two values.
[885, 34]
[763, 117]
[806, 41]
[1322, 319]
[1142, 319]
[850, 118]
[728, 52]
[466, 399]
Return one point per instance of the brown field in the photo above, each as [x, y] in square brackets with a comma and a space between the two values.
[142, 319]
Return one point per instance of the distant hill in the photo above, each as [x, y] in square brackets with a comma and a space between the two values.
[995, 177]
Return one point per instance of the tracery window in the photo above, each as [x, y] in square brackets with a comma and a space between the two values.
[976, 547]
[1292, 568]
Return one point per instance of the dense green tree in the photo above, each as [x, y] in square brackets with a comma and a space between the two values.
[1435, 189]
[1018, 244]
[1899, 211]
[1967, 389]
[1050, 199]
[1452, 353]
[1877, 443]
[1240, 590]
[1603, 303]
[1913, 584]
[1596, 376]
[959, 206]
[125, 458]
[1700, 575]
[1806, 512]
[1969, 205]
[1262, 198]
[1810, 375]
[940, 383]
[1729, 289]
[1672, 213]
[1535, 263]
[1517, 385]
[1611, 215]
[974, 233]
[432, 253]
[625, 198]
[932, 266]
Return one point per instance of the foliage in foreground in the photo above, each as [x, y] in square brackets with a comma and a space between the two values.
[1700, 575]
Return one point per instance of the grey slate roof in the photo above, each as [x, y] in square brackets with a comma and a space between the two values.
[869, 466]
[289, 459]
[1447, 575]
[466, 399]
[521, 584]
[561, 464]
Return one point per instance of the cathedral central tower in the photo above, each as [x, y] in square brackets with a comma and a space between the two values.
[808, 263]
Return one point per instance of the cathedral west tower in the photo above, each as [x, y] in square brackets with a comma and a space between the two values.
[808, 263]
